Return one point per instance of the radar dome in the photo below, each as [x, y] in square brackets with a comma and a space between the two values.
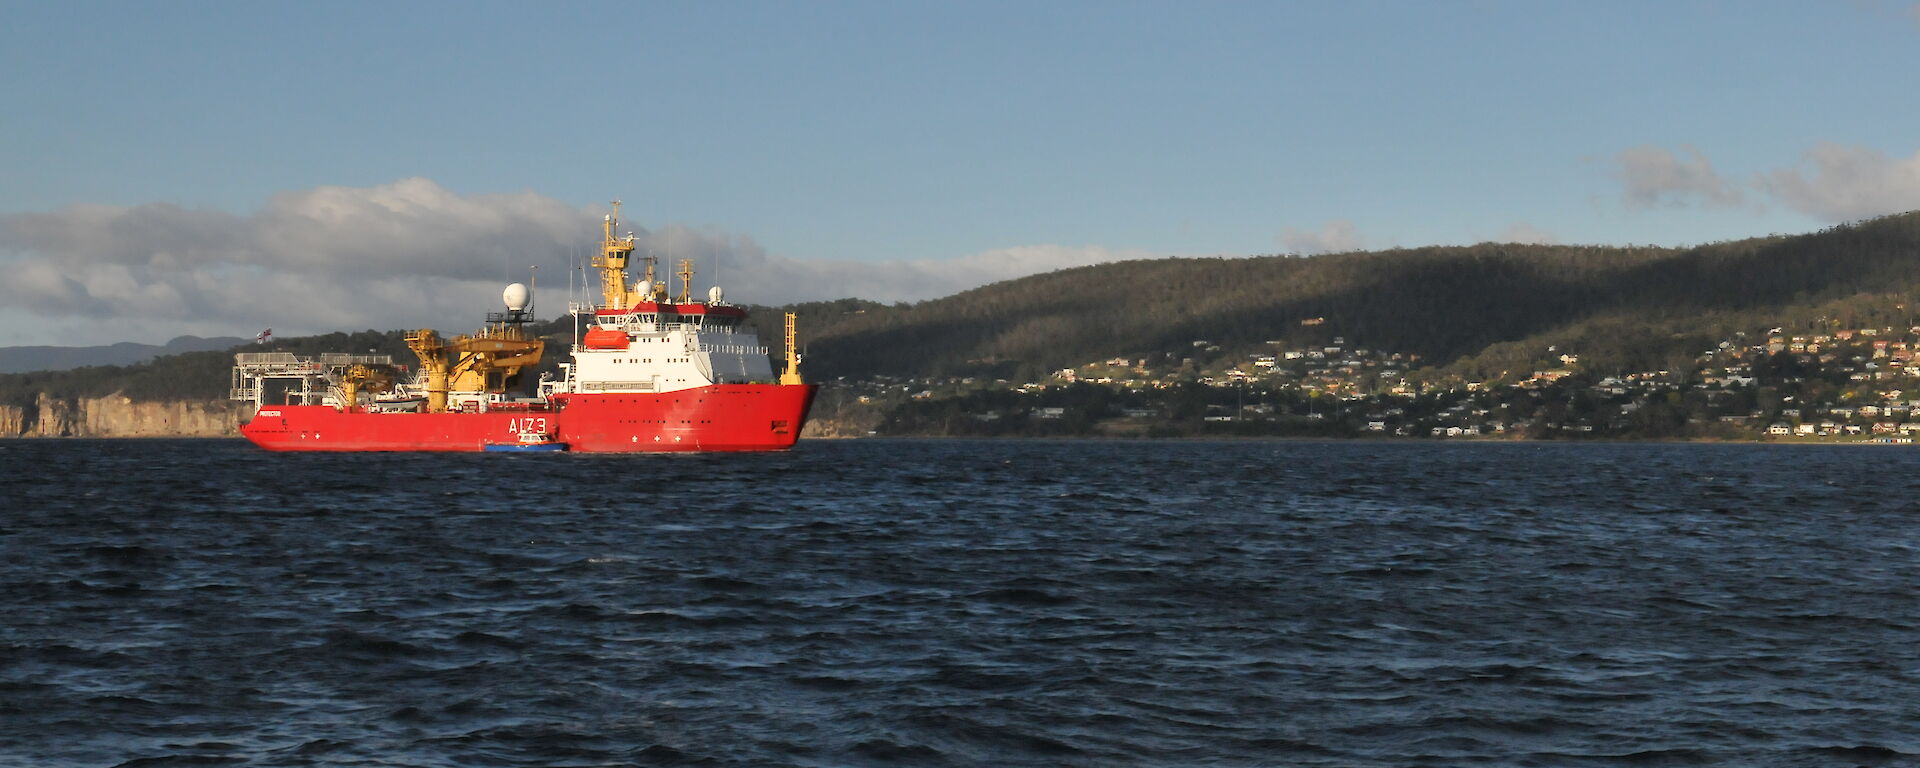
[644, 288]
[516, 296]
[714, 294]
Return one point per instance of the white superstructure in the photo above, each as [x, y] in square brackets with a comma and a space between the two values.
[664, 347]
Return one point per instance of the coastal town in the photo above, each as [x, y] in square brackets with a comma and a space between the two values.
[1856, 384]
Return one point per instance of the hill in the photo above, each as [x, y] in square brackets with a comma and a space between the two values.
[1477, 311]
[44, 358]
[1467, 307]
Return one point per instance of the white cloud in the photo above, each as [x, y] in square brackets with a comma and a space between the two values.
[1654, 176]
[406, 254]
[1522, 232]
[1832, 182]
[1336, 236]
[1847, 183]
[762, 278]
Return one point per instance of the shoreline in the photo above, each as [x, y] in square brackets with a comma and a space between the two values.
[1869, 442]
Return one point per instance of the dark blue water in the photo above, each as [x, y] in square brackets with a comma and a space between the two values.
[962, 603]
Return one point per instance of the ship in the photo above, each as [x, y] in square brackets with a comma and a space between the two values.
[650, 370]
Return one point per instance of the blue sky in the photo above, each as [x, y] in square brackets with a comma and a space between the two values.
[154, 157]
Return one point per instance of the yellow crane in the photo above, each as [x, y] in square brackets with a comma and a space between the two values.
[357, 377]
[487, 361]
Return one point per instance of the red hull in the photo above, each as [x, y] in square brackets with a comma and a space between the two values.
[722, 417]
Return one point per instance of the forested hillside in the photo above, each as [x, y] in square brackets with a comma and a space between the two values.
[206, 375]
[1630, 307]
[43, 358]
[1477, 310]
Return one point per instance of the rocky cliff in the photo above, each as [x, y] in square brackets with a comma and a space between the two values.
[120, 416]
[836, 413]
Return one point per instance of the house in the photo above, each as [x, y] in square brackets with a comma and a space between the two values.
[1780, 429]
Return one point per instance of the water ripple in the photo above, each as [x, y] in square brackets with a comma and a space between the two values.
[961, 603]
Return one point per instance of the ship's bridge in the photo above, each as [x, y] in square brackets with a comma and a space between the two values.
[650, 314]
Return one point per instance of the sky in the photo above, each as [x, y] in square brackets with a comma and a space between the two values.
[218, 168]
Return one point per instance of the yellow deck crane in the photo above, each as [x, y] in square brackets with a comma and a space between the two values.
[487, 361]
[358, 377]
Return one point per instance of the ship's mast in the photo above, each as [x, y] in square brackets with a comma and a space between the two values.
[612, 262]
[654, 291]
[686, 281]
[792, 376]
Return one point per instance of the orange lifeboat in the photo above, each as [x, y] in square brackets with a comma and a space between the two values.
[604, 338]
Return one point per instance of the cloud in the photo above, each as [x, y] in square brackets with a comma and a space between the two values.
[752, 275]
[1654, 177]
[1336, 236]
[764, 277]
[1846, 183]
[400, 255]
[1832, 182]
[1522, 232]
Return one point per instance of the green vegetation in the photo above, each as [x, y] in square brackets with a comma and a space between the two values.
[1628, 307]
[206, 375]
[1413, 338]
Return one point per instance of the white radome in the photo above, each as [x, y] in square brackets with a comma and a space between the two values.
[516, 296]
[714, 294]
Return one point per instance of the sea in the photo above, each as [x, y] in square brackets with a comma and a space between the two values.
[962, 603]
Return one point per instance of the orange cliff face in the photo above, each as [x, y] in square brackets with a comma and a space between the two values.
[120, 416]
